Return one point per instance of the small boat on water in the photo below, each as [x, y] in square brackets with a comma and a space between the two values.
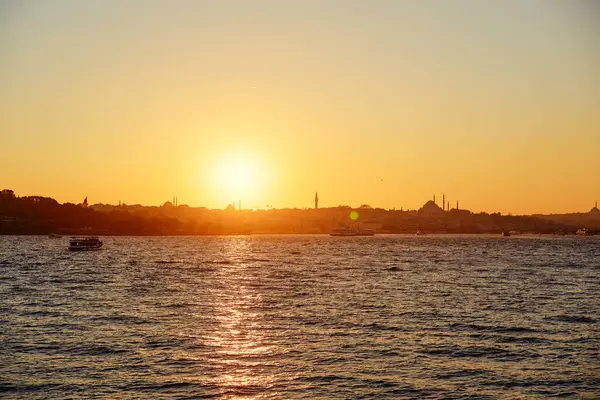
[581, 232]
[345, 231]
[420, 233]
[54, 236]
[505, 233]
[83, 243]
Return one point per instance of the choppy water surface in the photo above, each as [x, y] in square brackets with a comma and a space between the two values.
[257, 317]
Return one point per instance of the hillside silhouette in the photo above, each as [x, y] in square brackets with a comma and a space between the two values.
[44, 215]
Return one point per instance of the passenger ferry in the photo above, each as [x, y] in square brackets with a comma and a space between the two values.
[345, 231]
[83, 243]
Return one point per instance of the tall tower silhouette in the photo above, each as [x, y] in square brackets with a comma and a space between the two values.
[316, 200]
[434, 198]
[444, 201]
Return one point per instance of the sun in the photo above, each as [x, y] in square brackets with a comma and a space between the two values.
[237, 176]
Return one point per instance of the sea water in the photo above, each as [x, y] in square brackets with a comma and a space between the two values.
[301, 317]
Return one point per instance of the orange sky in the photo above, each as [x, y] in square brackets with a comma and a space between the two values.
[494, 104]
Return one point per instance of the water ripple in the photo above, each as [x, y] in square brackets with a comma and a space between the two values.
[301, 317]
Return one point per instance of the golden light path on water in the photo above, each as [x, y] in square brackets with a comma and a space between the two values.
[237, 339]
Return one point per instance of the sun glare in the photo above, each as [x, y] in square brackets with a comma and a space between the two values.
[237, 177]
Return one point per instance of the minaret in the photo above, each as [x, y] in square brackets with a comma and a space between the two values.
[316, 200]
[457, 204]
[444, 202]
[434, 198]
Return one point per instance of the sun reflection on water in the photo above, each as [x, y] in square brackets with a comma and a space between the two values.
[238, 339]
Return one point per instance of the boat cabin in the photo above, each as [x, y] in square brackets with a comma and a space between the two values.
[85, 243]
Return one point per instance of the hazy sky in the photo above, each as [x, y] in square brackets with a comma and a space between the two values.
[494, 103]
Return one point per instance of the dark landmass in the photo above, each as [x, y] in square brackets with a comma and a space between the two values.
[44, 215]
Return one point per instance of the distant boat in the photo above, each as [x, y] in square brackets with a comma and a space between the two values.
[345, 231]
[420, 233]
[83, 243]
[581, 232]
[54, 236]
[505, 233]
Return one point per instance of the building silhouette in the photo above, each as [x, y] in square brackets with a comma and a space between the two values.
[430, 209]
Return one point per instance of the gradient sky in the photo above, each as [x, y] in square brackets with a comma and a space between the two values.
[494, 103]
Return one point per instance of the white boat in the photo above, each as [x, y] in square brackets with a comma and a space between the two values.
[345, 231]
[82, 243]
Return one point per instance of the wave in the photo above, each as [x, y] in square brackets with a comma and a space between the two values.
[8, 387]
[491, 328]
[161, 386]
[462, 373]
[169, 261]
[178, 305]
[523, 339]
[126, 319]
[325, 378]
[581, 319]
[532, 382]
[255, 259]
[456, 351]
[242, 391]
[97, 350]
[394, 269]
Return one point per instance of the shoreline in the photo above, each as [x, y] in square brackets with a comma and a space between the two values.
[387, 234]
